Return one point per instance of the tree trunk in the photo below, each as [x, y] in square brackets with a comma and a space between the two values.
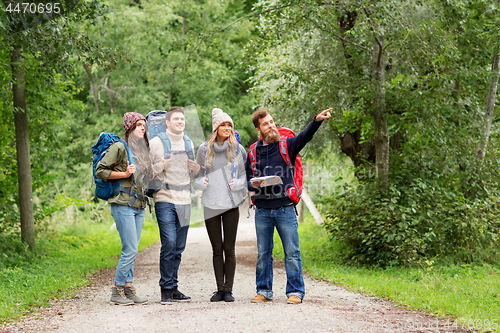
[112, 97]
[346, 24]
[184, 30]
[112, 94]
[360, 153]
[171, 92]
[488, 114]
[93, 88]
[23, 149]
[456, 103]
[381, 132]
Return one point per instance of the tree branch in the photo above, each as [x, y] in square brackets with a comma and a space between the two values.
[227, 26]
[337, 35]
[381, 47]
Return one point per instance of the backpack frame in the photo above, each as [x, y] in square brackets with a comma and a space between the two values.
[156, 126]
[105, 190]
[294, 192]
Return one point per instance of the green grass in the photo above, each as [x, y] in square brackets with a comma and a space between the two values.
[458, 291]
[68, 253]
[197, 219]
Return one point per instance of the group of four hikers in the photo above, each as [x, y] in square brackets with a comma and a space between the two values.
[223, 172]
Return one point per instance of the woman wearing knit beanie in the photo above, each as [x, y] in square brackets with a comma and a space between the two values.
[127, 207]
[223, 183]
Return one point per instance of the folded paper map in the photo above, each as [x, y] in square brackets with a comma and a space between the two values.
[267, 180]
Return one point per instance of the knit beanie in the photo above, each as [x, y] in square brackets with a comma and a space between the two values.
[219, 117]
[130, 118]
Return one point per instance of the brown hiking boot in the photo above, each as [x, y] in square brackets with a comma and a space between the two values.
[260, 298]
[118, 297]
[131, 294]
[294, 300]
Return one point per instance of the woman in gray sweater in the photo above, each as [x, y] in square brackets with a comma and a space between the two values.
[223, 182]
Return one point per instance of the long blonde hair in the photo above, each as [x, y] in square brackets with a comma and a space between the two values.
[231, 149]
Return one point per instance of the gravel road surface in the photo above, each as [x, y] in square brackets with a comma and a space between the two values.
[326, 307]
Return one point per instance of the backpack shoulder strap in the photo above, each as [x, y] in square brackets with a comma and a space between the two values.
[166, 143]
[253, 158]
[189, 147]
[130, 161]
[233, 164]
[129, 153]
[205, 171]
[284, 152]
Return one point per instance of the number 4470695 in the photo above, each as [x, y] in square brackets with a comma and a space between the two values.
[32, 8]
[475, 324]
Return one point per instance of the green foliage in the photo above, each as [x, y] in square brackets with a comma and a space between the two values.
[70, 250]
[49, 99]
[54, 38]
[181, 56]
[326, 173]
[455, 291]
[46, 42]
[312, 55]
[416, 221]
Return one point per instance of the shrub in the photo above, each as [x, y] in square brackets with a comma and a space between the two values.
[411, 223]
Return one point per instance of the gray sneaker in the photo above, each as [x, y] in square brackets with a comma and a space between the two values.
[118, 297]
[130, 293]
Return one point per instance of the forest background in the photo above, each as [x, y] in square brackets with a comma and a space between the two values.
[407, 166]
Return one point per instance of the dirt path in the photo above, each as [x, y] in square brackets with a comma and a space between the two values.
[326, 307]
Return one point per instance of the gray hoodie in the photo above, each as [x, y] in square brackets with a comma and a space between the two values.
[217, 194]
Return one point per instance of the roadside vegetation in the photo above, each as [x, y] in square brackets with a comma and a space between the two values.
[460, 283]
[469, 293]
[406, 173]
[71, 248]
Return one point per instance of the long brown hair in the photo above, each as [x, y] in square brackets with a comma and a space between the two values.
[140, 148]
[231, 149]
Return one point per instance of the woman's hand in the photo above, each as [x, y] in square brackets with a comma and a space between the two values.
[231, 184]
[130, 170]
[123, 174]
[205, 181]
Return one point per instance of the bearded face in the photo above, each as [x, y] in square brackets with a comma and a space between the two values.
[271, 136]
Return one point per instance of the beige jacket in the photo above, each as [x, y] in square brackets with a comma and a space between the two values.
[177, 173]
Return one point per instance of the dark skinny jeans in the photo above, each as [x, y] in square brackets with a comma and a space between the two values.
[224, 257]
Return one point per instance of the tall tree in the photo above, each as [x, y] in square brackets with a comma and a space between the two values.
[22, 147]
[381, 132]
[49, 38]
[182, 53]
[385, 67]
[493, 34]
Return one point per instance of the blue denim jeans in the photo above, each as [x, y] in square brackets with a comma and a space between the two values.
[128, 222]
[285, 221]
[173, 236]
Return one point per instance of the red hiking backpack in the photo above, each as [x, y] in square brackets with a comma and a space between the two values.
[294, 192]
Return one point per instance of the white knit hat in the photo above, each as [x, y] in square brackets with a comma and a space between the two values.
[218, 118]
